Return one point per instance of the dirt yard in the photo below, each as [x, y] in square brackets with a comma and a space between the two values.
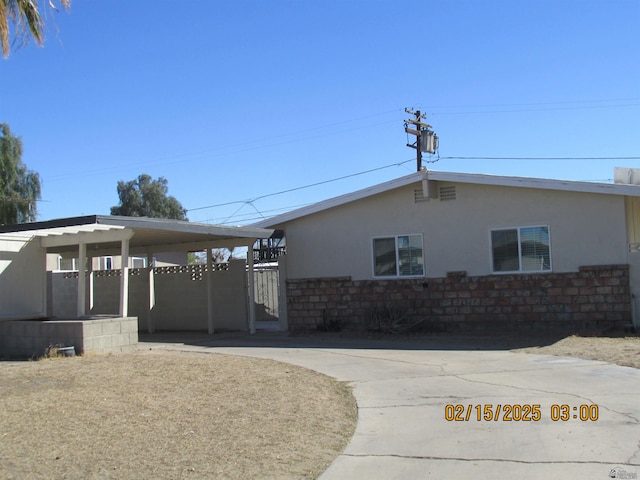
[178, 415]
[169, 415]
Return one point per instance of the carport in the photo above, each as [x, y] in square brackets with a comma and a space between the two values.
[23, 249]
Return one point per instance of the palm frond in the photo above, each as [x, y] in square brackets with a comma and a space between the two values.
[27, 21]
[29, 17]
[4, 28]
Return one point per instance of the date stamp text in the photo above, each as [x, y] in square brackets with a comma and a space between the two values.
[519, 412]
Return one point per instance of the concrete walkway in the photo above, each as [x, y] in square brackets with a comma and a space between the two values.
[402, 389]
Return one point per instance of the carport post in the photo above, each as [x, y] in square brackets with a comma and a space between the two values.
[151, 290]
[82, 285]
[124, 279]
[90, 283]
[252, 294]
[210, 319]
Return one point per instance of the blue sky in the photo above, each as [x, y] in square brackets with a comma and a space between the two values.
[232, 101]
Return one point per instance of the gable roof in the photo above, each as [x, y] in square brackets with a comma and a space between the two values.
[479, 179]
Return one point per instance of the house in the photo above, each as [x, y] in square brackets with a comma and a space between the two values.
[114, 262]
[103, 310]
[466, 253]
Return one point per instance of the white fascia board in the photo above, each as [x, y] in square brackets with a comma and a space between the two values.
[340, 200]
[98, 236]
[197, 246]
[17, 236]
[538, 183]
[60, 231]
[478, 179]
[185, 227]
[177, 247]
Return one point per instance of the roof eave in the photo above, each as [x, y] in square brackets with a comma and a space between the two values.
[518, 182]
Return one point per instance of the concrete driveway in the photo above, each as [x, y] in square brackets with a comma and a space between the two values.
[405, 429]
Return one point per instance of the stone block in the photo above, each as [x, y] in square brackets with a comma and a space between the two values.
[110, 327]
[92, 328]
[129, 325]
[120, 339]
[102, 342]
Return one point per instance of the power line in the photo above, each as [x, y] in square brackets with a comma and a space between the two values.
[244, 202]
[236, 148]
[567, 102]
[250, 202]
[546, 106]
[281, 139]
[324, 182]
[249, 216]
[540, 158]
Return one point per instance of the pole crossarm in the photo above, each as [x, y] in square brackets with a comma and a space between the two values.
[417, 132]
[420, 128]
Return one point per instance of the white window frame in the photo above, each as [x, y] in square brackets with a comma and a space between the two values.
[135, 260]
[103, 261]
[520, 267]
[73, 264]
[397, 274]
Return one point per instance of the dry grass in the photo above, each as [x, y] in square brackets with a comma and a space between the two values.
[166, 414]
[624, 351]
[163, 414]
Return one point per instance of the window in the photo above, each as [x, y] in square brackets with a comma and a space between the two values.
[138, 262]
[105, 263]
[66, 263]
[524, 249]
[398, 256]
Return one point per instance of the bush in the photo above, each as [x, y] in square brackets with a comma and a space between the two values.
[390, 318]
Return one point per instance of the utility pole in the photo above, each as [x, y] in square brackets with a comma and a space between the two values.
[426, 140]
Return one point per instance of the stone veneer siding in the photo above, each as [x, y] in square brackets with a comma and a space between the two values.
[596, 298]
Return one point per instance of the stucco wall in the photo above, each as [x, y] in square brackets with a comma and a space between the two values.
[162, 259]
[585, 229]
[22, 277]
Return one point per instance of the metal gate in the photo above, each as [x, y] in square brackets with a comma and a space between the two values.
[266, 284]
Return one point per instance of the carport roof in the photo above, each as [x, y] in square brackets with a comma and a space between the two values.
[106, 232]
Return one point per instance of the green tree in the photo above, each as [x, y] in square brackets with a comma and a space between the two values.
[26, 19]
[144, 197]
[19, 187]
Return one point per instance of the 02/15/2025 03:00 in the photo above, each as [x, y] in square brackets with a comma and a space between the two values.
[518, 412]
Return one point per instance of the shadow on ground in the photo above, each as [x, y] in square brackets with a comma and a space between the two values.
[338, 340]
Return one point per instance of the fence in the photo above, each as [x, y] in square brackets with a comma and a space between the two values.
[266, 292]
[180, 296]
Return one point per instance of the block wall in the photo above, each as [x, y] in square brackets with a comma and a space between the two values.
[596, 298]
[31, 338]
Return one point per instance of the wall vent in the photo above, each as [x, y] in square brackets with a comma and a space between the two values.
[418, 196]
[447, 193]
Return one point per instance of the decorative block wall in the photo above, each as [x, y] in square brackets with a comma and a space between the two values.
[180, 296]
[594, 299]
